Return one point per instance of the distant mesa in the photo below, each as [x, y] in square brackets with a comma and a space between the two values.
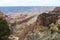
[57, 9]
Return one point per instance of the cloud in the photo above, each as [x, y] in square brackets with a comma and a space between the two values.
[29, 2]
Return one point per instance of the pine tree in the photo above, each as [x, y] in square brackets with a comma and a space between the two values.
[4, 29]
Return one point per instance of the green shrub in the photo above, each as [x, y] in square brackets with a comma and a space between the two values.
[58, 27]
[4, 29]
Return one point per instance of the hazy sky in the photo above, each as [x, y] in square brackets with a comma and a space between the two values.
[29, 2]
[16, 9]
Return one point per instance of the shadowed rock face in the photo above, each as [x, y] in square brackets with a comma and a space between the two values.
[47, 18]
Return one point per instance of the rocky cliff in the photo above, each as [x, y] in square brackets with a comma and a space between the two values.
[48, 26]
[45, 26]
